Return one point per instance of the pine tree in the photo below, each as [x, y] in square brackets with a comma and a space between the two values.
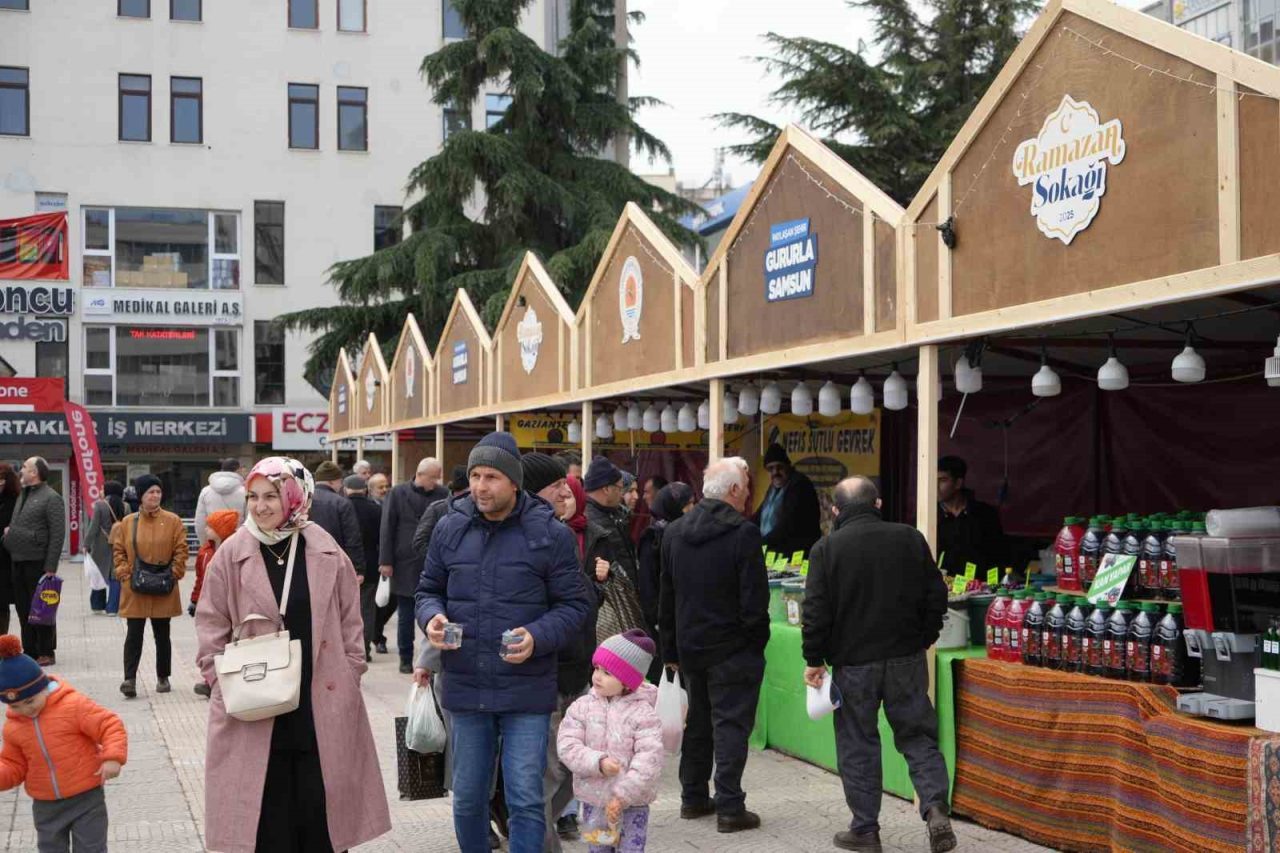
[891, 115]
[538, 175]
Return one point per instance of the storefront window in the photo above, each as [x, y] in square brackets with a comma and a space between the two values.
[52, 360]
[161, 248]
[161, 367]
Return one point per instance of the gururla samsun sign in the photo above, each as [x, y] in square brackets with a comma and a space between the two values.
[1066, 166]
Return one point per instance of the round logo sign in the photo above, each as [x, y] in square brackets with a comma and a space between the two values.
[630, 299]
[529, 334]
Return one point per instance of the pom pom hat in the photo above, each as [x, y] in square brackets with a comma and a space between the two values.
[626, 657]
[20, 676]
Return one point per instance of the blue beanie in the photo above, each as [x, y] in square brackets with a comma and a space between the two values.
[20, 676]
[498, 450]
[601, 473]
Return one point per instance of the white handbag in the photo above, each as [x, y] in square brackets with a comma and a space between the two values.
[261, 677]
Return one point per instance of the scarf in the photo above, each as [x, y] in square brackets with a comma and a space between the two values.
[294, 484]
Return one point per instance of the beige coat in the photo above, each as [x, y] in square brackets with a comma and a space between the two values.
[162, 538]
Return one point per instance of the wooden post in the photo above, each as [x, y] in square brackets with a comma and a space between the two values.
[395, 457]
[359, 447]
[440, 443]
[588, 434]
[333, 452]
[927, 466]
[715, 436]
[1228, 171]
[499, 423]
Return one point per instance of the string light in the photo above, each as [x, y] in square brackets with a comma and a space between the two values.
[604, 429]
[575, 431]
[1046, 382]
[862, 397]
[687, 419]
[749, 400]
[1113, 375]
[895, 391]
[669, 420]
[829, 400]
[730, 410]
[1188, 365]
[771, 399]
[801, 400]
[704, 415]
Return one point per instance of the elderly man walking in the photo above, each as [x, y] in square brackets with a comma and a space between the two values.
[874, 602]
[34, 541]
[396, 558]
[333, 513]
[503, 568]
[714, 625]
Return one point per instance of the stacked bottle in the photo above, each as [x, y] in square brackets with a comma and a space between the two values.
[1116, 640]
[1137, 656]
[1032, 636]
[1013, 619]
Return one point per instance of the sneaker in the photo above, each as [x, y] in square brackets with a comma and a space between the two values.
[202, 689]
[162, 685]
[567, 828]
[693, 811]
[868, 842]
[406, 668]
[128, 688]
[381, 647]
[941, 836]
[743, 820]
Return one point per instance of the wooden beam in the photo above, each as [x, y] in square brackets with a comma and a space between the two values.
[699, 324]
[715, 436]
[1228, 171]
[944, 254]
[499, 423]
[677, 298]
[868, 271]
[395, 457]
[359, 447]
[927, 446]
[439, 454]
[588, 434]
[724, 307]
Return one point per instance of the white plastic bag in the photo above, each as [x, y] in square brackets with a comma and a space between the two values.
[383, 596]
[425, 732]
[820, 701]
[673, 705]
[93, 574]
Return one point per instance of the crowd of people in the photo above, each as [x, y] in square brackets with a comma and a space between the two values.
[543, 613]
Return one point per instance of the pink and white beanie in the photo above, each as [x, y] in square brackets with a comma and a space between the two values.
[626, 657]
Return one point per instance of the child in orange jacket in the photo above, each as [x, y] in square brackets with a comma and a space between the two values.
[218, 527]
[63, 745]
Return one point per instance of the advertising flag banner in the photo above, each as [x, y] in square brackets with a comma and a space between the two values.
[84, 444]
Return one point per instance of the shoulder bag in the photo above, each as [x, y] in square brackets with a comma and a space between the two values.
[148, 578]
[261, 677]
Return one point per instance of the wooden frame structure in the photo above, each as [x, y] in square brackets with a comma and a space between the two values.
[373, 384]
[413, 386]
[341, 391]
[464, 357]
[535, 342]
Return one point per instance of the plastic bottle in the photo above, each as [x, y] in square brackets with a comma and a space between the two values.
[1055, 623]
[1073, 637]
[1137, 653]
[1133, 541]
[1066, 551]
[1170, 663]
[1117, 637]
[1095, 636]
[1013, 619]
[1149, 561]
[1271, 646]
[1113, 543]
[996, 624]
[1091, 551]
[1032, 624]
[1170, 589]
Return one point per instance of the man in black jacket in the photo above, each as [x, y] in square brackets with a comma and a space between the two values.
[969, 530]
[608, 535]
[873, 603]
[790, 516]
[714, 624]
[369, 514]
[333, 513]
[397, 559]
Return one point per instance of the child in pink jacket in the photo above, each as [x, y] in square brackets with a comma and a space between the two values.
[611, 741]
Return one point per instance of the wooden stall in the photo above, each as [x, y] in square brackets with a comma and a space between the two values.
[341, 417]
[412, 386]
[464, 357]
[534, 342]
[372, 384]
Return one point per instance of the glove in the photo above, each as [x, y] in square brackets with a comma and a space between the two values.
[191, 610]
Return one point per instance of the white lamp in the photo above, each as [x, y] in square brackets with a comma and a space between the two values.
[1188, 365]
[670, 421]
[1271, 367]
[801, 400]
[968, 378]
[1046, 382]
[829, 400]
[749, 400]
[862, 398]
[651, 421]
[895, 391]
[771, 399]
[575, 431]
[620, 419]
[730, 410]
[635, 416]
[687, 418]
[604, 429]
[704, 414]
[1113, 376]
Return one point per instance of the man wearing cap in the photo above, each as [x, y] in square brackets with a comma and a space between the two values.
[608, 535]
[34, 541]
[397, 560]
[369, 515]
[333, 513]
[500, 563]
[790, 517]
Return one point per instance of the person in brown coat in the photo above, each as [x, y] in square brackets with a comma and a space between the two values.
[161, 541]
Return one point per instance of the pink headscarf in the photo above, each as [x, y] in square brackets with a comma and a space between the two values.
[295, 486]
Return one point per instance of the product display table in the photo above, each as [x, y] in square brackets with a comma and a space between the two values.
[782, 723]
[1077, 762]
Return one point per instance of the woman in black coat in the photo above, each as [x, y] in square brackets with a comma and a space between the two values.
[9, 489]
[672, 501]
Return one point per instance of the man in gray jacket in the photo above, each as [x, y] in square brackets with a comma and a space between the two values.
[333, 513]
[34, 540]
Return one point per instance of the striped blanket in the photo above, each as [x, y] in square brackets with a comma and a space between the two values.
[1077, 762]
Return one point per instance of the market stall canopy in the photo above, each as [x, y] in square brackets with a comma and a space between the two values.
[639, 316]
[809, 267]
[463, 358]
[341, 420]
[372, 383]
[533, 341]
[412, 372]
[1116, 161]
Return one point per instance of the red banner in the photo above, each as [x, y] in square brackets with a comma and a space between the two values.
[31, 395]
[84, 444]
[35, 247]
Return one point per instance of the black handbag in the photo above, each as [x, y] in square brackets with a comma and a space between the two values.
[418, 776]
[620, 610]
[148, 578]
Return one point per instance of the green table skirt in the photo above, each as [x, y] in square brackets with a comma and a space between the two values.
[782, 723]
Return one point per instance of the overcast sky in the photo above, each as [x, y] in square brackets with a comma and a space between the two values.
[696, 56]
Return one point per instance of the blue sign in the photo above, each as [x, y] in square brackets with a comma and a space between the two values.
[460, 363]
[791, 262]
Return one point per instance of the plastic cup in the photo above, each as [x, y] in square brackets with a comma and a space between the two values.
[510, 639]
[452, 635]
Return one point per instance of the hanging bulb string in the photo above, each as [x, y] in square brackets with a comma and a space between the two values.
[773, 184]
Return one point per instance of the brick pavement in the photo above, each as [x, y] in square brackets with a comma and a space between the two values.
[157, 804]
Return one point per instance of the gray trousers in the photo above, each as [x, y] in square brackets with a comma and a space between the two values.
[902, 684]
[78, 823]
[369, 612]
[557, 781]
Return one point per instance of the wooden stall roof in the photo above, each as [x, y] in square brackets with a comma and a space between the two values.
[1184, 185]
[855, 292]
[412, 370]
[340, 393]
[373, 382]
[463, 378]
[534, 340]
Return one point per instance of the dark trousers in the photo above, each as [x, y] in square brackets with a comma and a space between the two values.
[293, 817]
[383, 617]
[369, 612]
[902, 684]
[97, 600]
[78, 823]
[133, 647]
[405, 626]
[722, 712]
[557, 781]
[37, 640]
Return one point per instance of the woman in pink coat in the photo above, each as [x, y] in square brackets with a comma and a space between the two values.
[307, 780]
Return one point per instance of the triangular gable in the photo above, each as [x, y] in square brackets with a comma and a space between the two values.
[341, 399]
[801, 263]
[372, 384]
[462, 359]
[533, 341]
[411, 376]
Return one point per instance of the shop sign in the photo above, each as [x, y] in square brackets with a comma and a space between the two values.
[529, 334]
[35, 247]
[128, 428]
[39, 302]
[460, 363]
[215, 308]
[631, 299]
[31, 395]
[791, 261]
[1113, 574]
[40, 331]
[306, 429]
[1066, 167]
[551, 429]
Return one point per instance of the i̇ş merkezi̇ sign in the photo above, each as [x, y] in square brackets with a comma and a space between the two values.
[791, 261]
[1066, 167]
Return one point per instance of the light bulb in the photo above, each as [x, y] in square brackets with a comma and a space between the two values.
[895, 392]
[670, 421]
[829, 400]
[704, 414]
[801, 400]
[620, 419]
[650, 421]
[749, 400]
[687, 418]
[730, 410]
[604, 429]
[1113, 376]
[1188, 365]
[575, 431]
[771, 399]
[635, 416]
[1271, 367]
[968, 379]
[1046, 382]
[862, 398]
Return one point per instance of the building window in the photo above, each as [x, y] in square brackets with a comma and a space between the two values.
[456, 118]
[133, 8]
[304, 116]
[453, 27]
[387, 229]
[495, 107]
[53, 360]
[351, 16]
[268, 242]
[268, 363]
[161, 366]
[19, 5]
[185, 10]
[99, 361]
[186, 109]
[135, 107]
[353, 118]
[15, 101]
[161, 247]
[303, 15]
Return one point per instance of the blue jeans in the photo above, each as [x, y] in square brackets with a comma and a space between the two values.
[524, 757]
[405, 627]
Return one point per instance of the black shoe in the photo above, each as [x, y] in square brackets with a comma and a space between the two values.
[941, 836]
[406, 668]
[381, 647]
[162, 685]
[567, 828]
[739, 822]
[693, 811]
[868, 842]
[203, 689]
[368, 654]
[129, 689]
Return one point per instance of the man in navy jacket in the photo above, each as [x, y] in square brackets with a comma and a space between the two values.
[500, 561]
